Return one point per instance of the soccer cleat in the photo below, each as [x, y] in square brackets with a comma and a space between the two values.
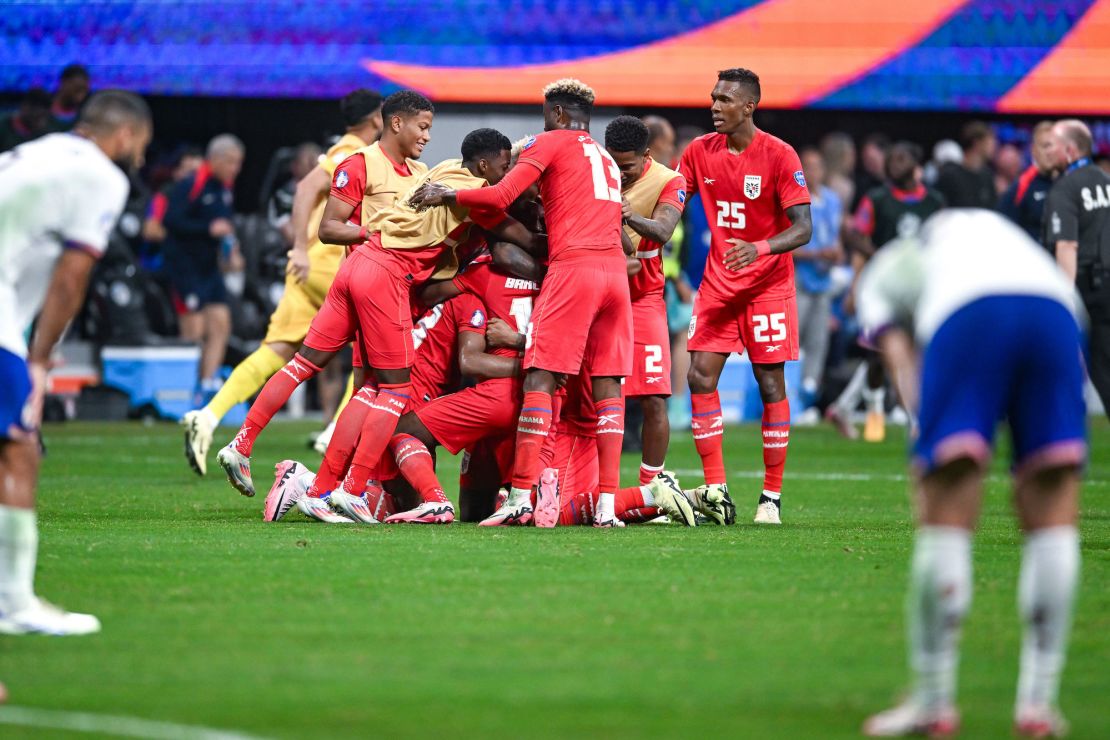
[671, 500]
[318, 509]
[199, 426]
[874, 429]
[840, 419]
[714, 503]
[1040, 722]
[910, 719]
[429, 512]
[502, 497]
[41, 617]
[610, 522]
[354, 507]
[288, 488]
[546, 514]
[510, 514]
[238, 469]
[323, 439]
[767, 513]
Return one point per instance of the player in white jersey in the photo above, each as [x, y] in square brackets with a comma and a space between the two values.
[996, 323]
[60, 197]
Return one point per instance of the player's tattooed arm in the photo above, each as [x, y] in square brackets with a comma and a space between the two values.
[659, 228]
[513, 259]
[742, 253]
[334, 228]
[476, 363]
[438, 291]
[432, 194]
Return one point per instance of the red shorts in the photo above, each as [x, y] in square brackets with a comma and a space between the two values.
[582, 320]
[369, 298]
[767, 328]
[460, 420]
[651, 353]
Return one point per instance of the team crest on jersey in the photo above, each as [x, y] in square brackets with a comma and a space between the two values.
[341, 179]
[477, 318]
[753, 186]
[681, 196]
[800, 178]
[529, 144]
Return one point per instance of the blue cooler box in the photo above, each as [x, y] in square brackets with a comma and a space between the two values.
[740, 394]
[164, 377]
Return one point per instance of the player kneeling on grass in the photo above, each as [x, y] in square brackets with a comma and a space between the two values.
[976, 281]
[60, 197]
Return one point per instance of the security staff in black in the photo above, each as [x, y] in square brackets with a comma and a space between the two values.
[1077, 231]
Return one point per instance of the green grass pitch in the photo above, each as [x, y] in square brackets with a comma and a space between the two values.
[295, 630]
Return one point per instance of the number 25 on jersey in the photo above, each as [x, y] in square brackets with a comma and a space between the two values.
[730, 215]
[600, 161]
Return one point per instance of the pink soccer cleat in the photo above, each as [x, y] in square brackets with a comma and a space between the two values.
[429, 512]
[287, 489]
[546, 514]
[1040, 722]
[510, 514]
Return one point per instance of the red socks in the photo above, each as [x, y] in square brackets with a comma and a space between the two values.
[648, 473]
[381, 421]
[610, 437]
[709, 430]
[273, 396]
[415, 463]
[776, 437]
[344, 438]
[531, 432]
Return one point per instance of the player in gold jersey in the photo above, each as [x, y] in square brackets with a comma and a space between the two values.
[653, 198]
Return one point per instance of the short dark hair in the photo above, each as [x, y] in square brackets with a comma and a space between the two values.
[357, 106]
[74, 70]
[484, 141]
[627, 134]
[570, 94]
[973, 132]
[108, 110]
[406, 103]
[744, 77]
[910, 148]
[878, 139]
[37, 97]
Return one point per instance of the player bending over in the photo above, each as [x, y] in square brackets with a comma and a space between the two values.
[60, 197]
[975, 280]
[757, 207]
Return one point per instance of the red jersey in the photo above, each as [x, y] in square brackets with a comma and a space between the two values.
[657, 185]
[745, 197]
[435, 370]
[580, 188]
[506, 297]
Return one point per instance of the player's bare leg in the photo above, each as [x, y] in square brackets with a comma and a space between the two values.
[874, 397]
[708, 427]
[940, 593]
[656, 436]
[776, 438]
[1048, 508]
[21, 611]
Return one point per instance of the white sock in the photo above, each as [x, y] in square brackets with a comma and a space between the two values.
[649, 497]
[605, 506]
[875, 398]
[849, 397]
[940, 593]
[516, 495]
[1046, 592]
[772, 494]
[19, 543]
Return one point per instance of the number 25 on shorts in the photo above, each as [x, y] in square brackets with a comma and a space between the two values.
[775, 322]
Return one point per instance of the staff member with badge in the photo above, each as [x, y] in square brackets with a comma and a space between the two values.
[1077, 231]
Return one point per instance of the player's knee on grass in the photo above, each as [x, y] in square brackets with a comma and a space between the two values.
[950, 494]
[772, 382]
[1048, 497]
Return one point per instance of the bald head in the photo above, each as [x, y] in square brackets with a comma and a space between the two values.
[1075, 138]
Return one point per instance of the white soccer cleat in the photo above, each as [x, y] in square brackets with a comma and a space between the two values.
[608, 522]
[671, 500]
[199, 427]
[428, 512]
[291, 482]
[510, 514]
[324, 439]
[41, 617]
[767, 513]
[1039, 722]
[353, 507]
[911, 719]
[238, 469]
[714, 503]
[318, 509]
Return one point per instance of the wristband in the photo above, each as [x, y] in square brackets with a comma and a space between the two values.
[762, 248]
[362, 234]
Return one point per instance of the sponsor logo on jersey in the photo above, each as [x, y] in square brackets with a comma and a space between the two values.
[477, 318]
[520, 284]
[1097, 198]
[709, 180]
[529, 144]
[773, 347]
[753, 186]
[681, 196]
[654, 379]
[341, 179]
[800, 178]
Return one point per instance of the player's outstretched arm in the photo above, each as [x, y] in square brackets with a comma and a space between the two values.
[660, 227]
[742, 253]
[513, 259]
[475, 363]
[334, 228]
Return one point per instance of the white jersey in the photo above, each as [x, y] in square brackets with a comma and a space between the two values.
[961, 255]
[60, 191]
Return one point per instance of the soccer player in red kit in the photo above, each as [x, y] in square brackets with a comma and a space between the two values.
[582, 320]
[757, 206]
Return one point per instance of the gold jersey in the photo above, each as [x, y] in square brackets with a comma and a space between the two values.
[384, 183]
[643, 195]
[339, 151]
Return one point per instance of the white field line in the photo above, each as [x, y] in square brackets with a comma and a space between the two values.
[112, 725]
[860, 477]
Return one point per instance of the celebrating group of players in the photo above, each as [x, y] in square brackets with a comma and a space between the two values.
[550, 300]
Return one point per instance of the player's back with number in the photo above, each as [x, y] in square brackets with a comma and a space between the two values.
[580, 188]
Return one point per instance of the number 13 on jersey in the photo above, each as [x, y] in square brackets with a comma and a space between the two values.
[600, 161]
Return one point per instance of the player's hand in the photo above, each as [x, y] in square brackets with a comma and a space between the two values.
[739, 255]
[430, 194]
[626, 209]
[499, 334]
[298, 264]
[32, 410]
[220, 228]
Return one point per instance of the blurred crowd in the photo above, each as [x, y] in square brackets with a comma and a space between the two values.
[152, 288]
